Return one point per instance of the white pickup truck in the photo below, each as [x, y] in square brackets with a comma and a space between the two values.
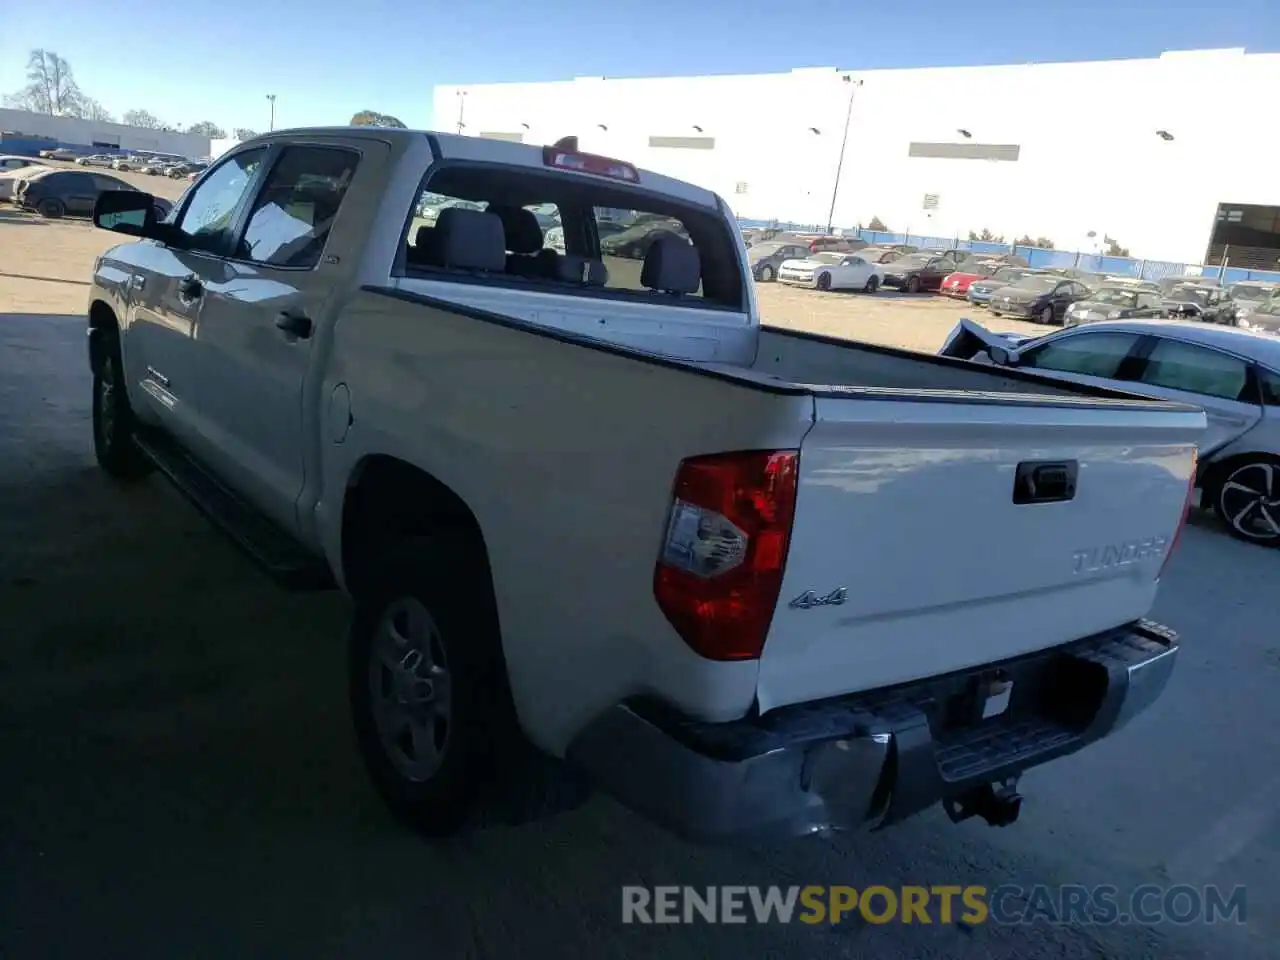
[746, 579]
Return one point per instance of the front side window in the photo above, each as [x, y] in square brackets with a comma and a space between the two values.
[296, 208]
[1088, 354]
[209, 215]
[1184, 366]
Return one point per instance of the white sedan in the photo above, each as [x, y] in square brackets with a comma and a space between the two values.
[832, 271]
[1230, 373]
[9, 179]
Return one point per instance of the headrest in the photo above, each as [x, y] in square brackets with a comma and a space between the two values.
[523, 233]
[422, 239]
[672, 265]
[470, 240]
[575, 269]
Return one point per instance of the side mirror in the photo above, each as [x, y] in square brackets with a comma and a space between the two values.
[129, 212]
[1003, 356]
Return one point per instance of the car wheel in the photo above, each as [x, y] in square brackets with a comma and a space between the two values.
[53, 209]
[113, 420]
[766, 273]
[427, 684]
[824, 281]
[873, 284]
[913, 285]
[1046, 316]
[1248, 500]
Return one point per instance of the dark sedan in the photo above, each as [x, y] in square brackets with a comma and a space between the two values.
[1119, 302]
[879, 254]
[980, 291]
[917, 271]
[61, 193]
[1200, 302]
[1042, 298]
[765, 258]
[635, 241]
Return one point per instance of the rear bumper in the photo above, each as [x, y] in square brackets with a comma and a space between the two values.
[871, 759]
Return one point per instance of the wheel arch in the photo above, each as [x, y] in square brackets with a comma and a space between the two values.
[1214, 470]
[103, 324]
[387, 498]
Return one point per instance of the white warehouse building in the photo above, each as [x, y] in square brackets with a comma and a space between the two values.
[1172, 157]
[26, 127]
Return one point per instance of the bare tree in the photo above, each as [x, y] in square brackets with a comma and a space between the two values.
[141, 118]
[207, 128]
[372, 118]
[91, 109]
[50, 88]
[244, 133]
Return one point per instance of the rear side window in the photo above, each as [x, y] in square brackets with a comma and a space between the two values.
[1088, 354]
[1184, 366]
[295, 209]
[1269, 380]
[566, 233]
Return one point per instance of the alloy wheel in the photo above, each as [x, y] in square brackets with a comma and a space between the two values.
[1249, 500]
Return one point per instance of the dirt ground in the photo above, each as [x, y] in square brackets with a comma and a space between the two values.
[178, 777]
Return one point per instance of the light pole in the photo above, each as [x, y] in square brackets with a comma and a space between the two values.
[844, 141]
[462, 106]
[271, 98]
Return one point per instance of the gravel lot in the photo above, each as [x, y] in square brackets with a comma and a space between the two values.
[180, 781]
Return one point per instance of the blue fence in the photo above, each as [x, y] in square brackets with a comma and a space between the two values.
[22, 146]
[1038, 257]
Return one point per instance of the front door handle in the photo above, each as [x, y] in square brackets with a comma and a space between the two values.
[294, 324]
[190, 287]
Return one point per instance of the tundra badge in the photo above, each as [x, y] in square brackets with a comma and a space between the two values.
[810, 599]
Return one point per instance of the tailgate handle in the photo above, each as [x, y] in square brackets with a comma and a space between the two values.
[1042, 481]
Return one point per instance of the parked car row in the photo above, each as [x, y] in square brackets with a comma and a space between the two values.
[60, 192]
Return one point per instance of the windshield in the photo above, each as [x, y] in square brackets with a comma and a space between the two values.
[1009, 274]
[912, 261]
[766, 249]
[1117, 296]
[1191, 294]
[828, 257]
[1037, 283]
[1251, 291]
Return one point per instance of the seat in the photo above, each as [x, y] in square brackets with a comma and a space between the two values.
[526, 254]
[422, 252]
[470, 240]
[672, 266]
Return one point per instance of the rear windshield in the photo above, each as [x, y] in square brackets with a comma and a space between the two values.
[555, 223]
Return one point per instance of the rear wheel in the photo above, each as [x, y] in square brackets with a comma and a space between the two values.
[1248, 500]
[1046, 316]
[913, 285]
[766, 273]
[51, 208]
[824, 281]
[873, 284]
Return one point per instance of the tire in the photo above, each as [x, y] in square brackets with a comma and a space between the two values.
[824, 281]
[1247, 496]
[113, 422]
[913, 285]
[430, 598]
[767, 274]
[1046, 316]
[873, 284]
[51, 208]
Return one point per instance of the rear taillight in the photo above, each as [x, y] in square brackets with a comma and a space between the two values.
[725, 548]
[1186, 512]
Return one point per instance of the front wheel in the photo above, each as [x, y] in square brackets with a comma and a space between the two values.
[824, 281]
[873, 284]
[113, 422]
[766, 274]
[1249, 501]
[53, 209]
[913, 285]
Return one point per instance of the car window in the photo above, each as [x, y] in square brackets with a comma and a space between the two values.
[211, 207]
[110, 183]
[1269, 380]
[855, 262]
[1184, 366]
[1147, 301]
[798, 252]
[1089, 354]
[297, 205]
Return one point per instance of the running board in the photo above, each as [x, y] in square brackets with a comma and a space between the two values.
[281, 556]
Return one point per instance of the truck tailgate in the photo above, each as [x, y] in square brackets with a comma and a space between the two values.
[910, 555]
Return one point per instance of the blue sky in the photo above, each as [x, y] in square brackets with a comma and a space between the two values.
[325, 59]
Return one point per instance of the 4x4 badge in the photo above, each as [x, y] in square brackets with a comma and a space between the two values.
[811, 599]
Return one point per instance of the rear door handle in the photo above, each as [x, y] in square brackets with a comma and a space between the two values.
[294, 324]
